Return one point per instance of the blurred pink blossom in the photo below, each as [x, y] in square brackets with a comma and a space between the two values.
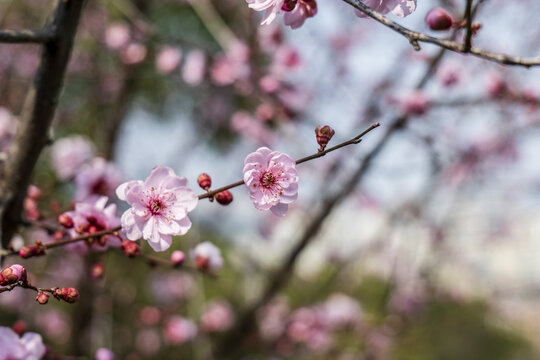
[341, 310]
[286, 58]
[168, 59]
[231, 66]
[245, 124]
[159, 209]
[271, 179]
[117, 36]
[133, 53]
[412, 103]
[150, 315]
[194, 67]
[148, 341]
[217, 317]
[104, 354]
[179, 330]
[207, 256]
[400, 8]
[93, 216]
[99, 177]
[269, 84]
[28, 347]
[69, 154]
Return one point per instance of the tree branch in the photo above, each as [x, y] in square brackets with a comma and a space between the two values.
[26, 36]
[415, 37]
[37, 114]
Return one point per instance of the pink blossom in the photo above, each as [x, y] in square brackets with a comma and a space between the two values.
[93, 216]
[28, 347]
[207, 256]
[69, 154]
[286, 58]
[271, 8]
[272, 180]
[301, 10]
[159, 209]
[400, 8]
[232, 66]
[245, 124]
[341, 310]
[217, 317]
[104, 354]
[413, 103]
[99, 177]
[179, 330]
[117, 36]
[194, 67]
[168, 59]
[133, 53]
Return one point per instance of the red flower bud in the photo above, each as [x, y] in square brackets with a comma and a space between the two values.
[19, 327]
[65, 220]
[97, 270]
[439, 19]
[177, 257]
[31, 250]
[12, 274]
[131, 249]
[324, 134]
[205, 181]
[224, 197]
[69, 295]
[42, 298]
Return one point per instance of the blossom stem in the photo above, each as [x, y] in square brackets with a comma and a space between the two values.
[354, 140]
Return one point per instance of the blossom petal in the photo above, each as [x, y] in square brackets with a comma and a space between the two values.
[158, 175]
[130, 225]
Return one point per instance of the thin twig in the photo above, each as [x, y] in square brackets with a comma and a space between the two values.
[415, 37]
[354, 140]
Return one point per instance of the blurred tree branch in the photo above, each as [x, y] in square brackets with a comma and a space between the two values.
[37, 114]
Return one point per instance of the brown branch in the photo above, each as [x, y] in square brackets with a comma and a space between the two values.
[469, 31]
[26, 36]
[415, 37]
[37, 115]
[354, 140]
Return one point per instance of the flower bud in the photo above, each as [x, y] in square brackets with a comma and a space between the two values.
[65, 220]
[177, 257]
[31, 250]
[289, 5]
[12, 274]
[204, 181]
[324, 134]
[97, 270]
[19, 327]
[42, 298]
[439, 19]
[224, 197]
[69, 295]
[131, 249]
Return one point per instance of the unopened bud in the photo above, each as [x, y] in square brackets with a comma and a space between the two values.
[324, 134]
[97, 270]
[12, 274]
[69, 295]
[19, 327]
[131, 249]
[177, 257]
[65, 220]
[205, 181]
[439, 19]
[224, 197]
[288, 5]
[42, 298]
[31, 250]
[33, 192]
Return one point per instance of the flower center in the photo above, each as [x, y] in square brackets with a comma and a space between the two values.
[156, 206]
[267, 179]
